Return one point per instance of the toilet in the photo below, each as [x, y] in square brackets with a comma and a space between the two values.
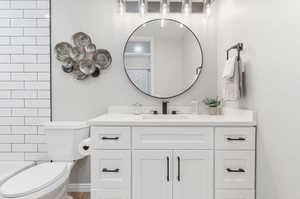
[49, 180]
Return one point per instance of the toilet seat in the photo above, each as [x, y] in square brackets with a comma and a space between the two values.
[36, 178]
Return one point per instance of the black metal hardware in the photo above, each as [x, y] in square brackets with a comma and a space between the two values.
[165, 107]
[141, 90]
[174, 112]
[235, 170]
[236, 139]
[239, 47]
[110, 138]
[155, 112]
[86, 148]
[168, 169]
[178, 167]
[105, 170]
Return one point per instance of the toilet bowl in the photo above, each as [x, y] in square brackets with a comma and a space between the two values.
[49, 180]
[45, 181]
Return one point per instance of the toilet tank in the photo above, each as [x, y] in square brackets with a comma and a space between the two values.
[63, 139]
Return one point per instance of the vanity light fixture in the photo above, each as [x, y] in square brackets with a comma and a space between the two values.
[186, 7]
[164, 7]
[142, 5]
[121, 7]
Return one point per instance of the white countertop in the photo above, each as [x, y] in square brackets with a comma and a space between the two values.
[230, 117]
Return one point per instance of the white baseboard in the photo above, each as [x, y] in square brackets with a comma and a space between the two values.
[79, 188]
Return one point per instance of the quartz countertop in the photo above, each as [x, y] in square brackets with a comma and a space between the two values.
[230, 117]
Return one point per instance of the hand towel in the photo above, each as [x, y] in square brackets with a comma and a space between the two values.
[242, 78]
[229, 68]
[233, 81]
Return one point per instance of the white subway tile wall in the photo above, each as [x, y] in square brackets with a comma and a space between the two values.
[24, 78]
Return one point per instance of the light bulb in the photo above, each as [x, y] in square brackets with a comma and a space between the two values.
[208, 11]
[121, 7]
[181, 25]
[142, 9]
[164, 9]
[186, 9]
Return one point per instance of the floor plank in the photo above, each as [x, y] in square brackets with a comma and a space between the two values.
[80, 195]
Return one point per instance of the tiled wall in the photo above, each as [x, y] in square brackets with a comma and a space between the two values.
[24, 78]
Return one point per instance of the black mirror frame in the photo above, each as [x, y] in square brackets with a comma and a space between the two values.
[200, 67]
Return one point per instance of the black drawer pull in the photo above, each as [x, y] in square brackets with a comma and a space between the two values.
[105, 170]
[110, 138]
[236, 139]
[235, 170]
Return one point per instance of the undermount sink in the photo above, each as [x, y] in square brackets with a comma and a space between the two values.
[165, 117]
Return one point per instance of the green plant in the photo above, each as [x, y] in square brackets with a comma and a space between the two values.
[212, 102]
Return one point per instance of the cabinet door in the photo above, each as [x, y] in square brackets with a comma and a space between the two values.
[193, 175]
[152, 174]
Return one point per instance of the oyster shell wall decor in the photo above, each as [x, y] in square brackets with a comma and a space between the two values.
[83, 59]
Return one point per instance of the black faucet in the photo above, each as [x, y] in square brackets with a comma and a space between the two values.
[165, 107]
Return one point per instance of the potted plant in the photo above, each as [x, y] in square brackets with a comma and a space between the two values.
[212, 104]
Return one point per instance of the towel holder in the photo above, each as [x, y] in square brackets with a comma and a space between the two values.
[239, 47]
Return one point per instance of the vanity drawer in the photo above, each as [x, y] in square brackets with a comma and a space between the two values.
[235, 169]
[111, 137]
[235, 194]
[238, 138]
[111, 169]
[172, 138]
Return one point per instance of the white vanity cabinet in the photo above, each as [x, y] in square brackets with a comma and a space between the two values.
[168, 162]
[172, 174]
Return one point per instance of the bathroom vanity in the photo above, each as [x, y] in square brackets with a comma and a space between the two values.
[173, 156]
[167, 156]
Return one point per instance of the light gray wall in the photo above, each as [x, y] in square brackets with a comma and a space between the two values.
[270, 30]
[75, 100]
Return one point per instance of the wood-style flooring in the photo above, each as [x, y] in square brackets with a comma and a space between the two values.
[80, 195]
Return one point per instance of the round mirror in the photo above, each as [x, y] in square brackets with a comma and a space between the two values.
[163, 58]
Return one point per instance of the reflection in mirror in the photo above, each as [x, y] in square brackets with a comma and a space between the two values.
[163, 58]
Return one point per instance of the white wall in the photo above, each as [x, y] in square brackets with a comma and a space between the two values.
[81, 100]
[270, 31]
[24, 79]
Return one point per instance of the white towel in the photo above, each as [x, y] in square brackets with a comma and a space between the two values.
[229, 68]
[233, 80]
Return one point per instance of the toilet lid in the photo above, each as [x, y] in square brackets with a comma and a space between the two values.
[33, 179]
